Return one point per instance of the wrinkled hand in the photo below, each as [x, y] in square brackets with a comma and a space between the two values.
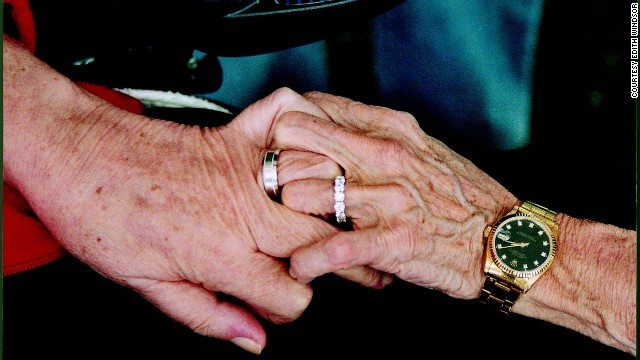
[175, 212]
[418, 209]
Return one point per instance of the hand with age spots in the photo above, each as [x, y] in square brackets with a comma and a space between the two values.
[418, 211]
[174, 212]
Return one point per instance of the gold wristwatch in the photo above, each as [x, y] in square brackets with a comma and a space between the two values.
[519, 248]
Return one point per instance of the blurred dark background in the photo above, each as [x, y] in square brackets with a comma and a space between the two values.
[580, 158]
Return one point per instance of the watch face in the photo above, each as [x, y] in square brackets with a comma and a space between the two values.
[522, 246]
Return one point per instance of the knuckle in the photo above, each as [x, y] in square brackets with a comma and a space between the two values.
[297, 266]
[284, 92]
[406, 118]
[311, 95]
[298, 303]
[339, 251]
[303, 301]
[331, 168]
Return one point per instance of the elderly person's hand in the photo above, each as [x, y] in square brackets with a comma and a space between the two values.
[419, 208]
[419, 211]
[175, 212]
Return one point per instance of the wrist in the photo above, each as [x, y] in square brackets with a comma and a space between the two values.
[548, 294]
[51, 126]
[40, 107]
[590, 287]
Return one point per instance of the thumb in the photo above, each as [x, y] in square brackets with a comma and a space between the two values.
[203, 312]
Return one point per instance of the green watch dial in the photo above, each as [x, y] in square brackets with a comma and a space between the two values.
[522, 246]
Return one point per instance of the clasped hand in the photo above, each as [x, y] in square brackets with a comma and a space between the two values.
[187, 211]
[179, 213]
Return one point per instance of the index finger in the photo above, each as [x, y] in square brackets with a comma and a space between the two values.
[345, 250]
[372, 120]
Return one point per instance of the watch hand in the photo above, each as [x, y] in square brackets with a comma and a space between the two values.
[509, 241]
[514, 245]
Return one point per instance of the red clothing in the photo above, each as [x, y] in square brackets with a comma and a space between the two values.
[26, 243]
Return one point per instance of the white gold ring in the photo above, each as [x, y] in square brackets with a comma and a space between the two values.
[338, 199]
[270, 174]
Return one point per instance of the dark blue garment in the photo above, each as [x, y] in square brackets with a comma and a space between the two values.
[468, 64]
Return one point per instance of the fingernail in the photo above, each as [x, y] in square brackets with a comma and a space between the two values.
[247, 344]
[299, 279]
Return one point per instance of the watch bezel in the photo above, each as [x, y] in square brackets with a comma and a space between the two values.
[518, 273]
